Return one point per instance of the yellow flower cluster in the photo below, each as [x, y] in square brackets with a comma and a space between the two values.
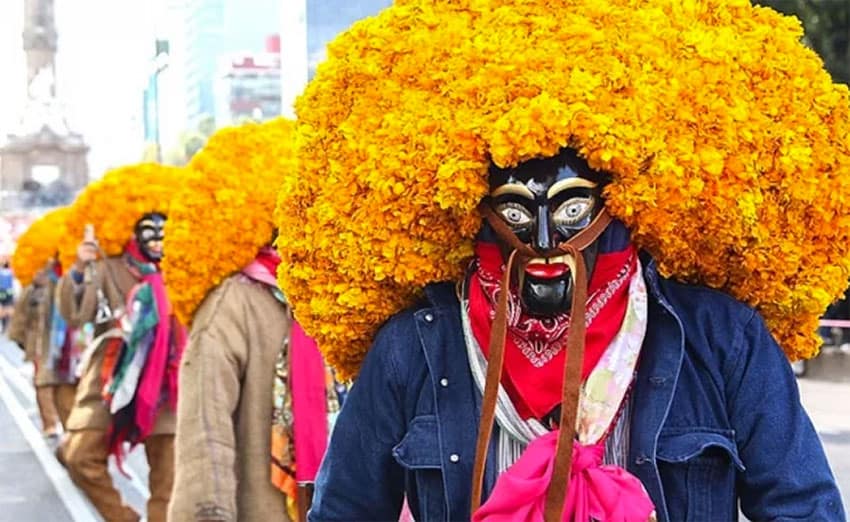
[726, 139]
[38, 245]
[222, 215]
[115, 202]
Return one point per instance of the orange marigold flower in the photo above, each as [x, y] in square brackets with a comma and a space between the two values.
[222, 214]
[114, 203]
[39, 244]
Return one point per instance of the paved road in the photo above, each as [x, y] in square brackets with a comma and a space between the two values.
[828, 404]
[33, 487]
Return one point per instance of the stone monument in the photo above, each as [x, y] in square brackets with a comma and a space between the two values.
[42, 162]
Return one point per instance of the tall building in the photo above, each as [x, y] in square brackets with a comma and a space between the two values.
[328, 18]
[213, 30]
[42, 162]
[306, 28]
[248, 85]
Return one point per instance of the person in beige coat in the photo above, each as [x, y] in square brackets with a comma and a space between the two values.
[33, 329]
[97, 292]
[225, 409]
[249, 379]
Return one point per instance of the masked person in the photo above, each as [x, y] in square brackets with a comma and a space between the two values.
[39, 329]
[128, 386]
[513, 197]
[37, 326]
[256, 397]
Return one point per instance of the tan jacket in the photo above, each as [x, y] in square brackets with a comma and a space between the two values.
[78, 305]
[30, 327]
[20, 325]
[223, 444]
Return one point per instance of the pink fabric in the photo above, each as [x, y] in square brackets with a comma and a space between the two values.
[406, 514]
[160, 365]
[260, 268]
[596, 491]
[309, 404]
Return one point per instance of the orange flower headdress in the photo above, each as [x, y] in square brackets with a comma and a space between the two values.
[726, 139]
[223, 213]
[39, 244]
[115, 202]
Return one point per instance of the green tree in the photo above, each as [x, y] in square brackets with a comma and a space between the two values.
[827, 26]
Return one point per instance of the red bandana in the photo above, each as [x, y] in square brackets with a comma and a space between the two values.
[534, 348]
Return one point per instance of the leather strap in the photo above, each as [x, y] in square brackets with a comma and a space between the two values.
[303, 499]
[557, 491]
[518, 258]
[495, 362]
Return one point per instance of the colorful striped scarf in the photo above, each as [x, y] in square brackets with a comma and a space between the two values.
[142, 375]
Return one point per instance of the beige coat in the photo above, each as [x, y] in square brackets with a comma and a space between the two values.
[78, 305]
[30, 328]
[225, 409]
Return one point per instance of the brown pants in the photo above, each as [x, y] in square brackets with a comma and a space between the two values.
[86, 455]
[54, 405]
[45, 398]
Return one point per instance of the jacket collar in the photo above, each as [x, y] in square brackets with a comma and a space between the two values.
[655, 384]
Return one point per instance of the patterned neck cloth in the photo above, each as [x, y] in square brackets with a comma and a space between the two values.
[304, 389]
[140, 369]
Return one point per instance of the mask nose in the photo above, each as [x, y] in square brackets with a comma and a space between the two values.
[543, 240]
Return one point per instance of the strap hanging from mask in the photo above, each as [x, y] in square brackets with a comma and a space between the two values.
[519, 257]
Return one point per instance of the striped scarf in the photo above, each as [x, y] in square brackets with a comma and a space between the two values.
[141, 368]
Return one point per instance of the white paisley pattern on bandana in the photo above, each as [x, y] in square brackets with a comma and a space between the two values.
[542, 338]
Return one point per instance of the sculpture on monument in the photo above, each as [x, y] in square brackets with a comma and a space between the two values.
[42, 141]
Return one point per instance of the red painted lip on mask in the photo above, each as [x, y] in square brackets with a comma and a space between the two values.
[546, 271]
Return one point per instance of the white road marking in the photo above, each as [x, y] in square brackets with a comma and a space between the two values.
[17, 379]
[67, 491]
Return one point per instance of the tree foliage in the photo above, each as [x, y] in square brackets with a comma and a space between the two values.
[827, 25]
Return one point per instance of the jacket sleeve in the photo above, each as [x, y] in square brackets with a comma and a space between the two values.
[787, 476]
[18, 325]
[211, 371]
[359, 478]
[78, 301]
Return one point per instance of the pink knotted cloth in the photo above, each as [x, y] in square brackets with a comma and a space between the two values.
[596, 491]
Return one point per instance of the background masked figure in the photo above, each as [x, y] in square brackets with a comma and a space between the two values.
[40, 330]
[38, 327]
[128, 386]
[249, 370]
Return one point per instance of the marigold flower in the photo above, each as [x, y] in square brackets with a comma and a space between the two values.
[222, 214]
[38, 245]
[114, 203]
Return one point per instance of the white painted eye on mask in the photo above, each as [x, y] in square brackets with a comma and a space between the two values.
[515, 214]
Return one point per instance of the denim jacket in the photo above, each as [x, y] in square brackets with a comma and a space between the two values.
[716, 419]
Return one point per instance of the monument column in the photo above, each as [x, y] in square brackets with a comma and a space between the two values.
[43, 162]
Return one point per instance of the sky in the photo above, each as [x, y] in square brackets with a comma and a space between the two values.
[104, 49]
[105, 57]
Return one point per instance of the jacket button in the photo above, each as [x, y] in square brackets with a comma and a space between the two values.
[454, 457]
[429, 318]
[642, 459]
[658, 381]
[444, 382]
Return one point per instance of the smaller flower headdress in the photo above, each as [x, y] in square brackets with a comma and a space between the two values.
[39, 244]
[222, 215]
[114, 203]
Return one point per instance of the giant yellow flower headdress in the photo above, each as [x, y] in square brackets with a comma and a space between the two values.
[222, 215]
[38, 245]
[115, 202]
[726, 139]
